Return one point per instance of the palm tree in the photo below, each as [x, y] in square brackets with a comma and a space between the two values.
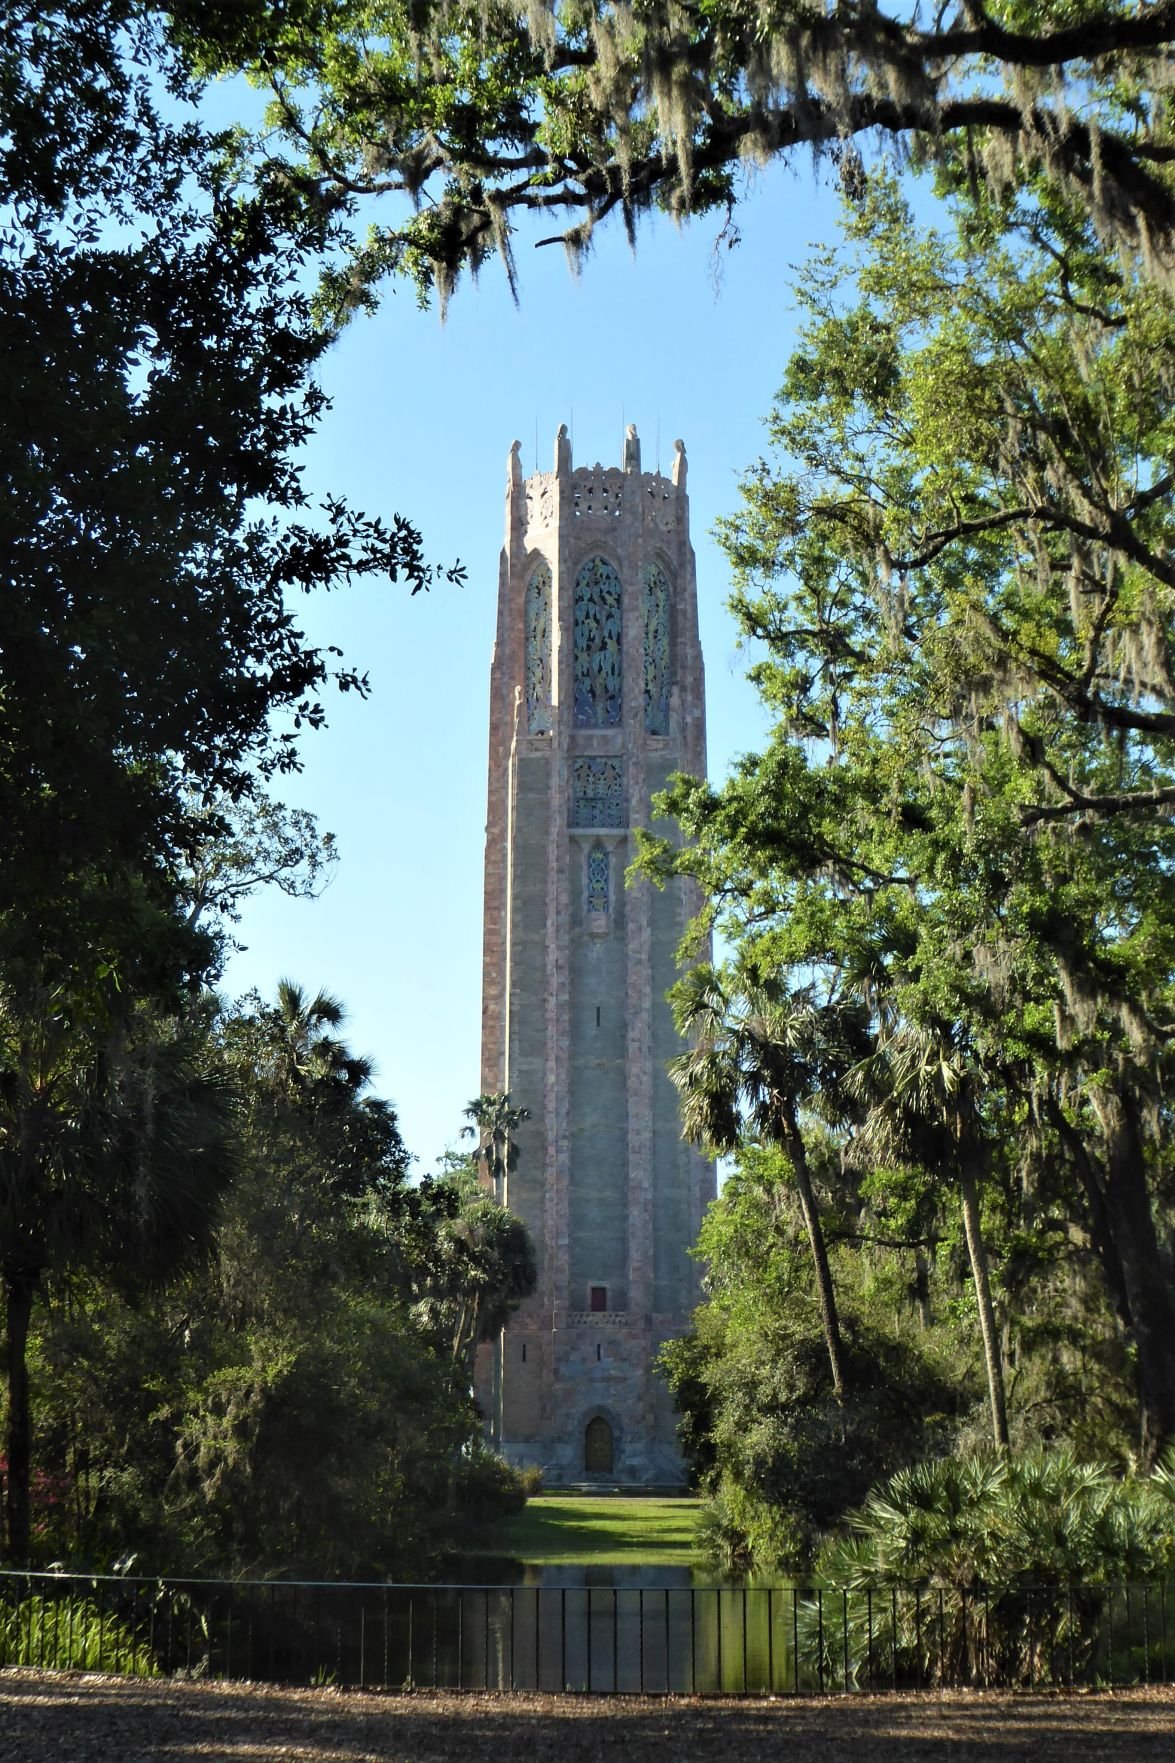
[922, 1095]
[493, 1121]
[485, 1267]
[113, 1154]
[313, 1057]
[758, 1056]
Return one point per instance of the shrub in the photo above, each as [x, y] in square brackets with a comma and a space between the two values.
[70, 1633]
[984, 1568]
[487, 1487]
[986, 1520]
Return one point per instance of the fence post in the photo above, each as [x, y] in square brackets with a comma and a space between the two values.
[640, 1623]
[770, 1646]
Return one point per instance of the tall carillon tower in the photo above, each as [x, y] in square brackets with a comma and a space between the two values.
[596, 697]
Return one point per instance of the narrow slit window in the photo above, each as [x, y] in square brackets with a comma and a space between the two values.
[598, 879]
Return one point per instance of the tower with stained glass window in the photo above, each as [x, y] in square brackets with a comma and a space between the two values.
[596, 697]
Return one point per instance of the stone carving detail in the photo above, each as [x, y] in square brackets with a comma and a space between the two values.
[541, 499]
[596, 645]
[632, 449]
[596, 491]
[655, 599]
[538, 651]
[679, 464]
[599, 875]
[597, 793]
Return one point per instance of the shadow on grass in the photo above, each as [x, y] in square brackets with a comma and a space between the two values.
[598, 1531]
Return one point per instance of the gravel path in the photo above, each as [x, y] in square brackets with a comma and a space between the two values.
[71, 1718]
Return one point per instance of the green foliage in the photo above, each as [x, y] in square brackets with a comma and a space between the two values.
[1043, 1517]
[486, 1488]
[954, 573]
[152, 525]
[473, 116]
[69, 1633]
[256, 844]
[780, 1454]
[153, 517]
[283, 1408]
[493, 1122]
[113, 1158]
[476, 1261]
[979, 1568]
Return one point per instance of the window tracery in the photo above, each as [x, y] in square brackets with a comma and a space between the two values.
[655, 597]
[596, 645]
[538, 651]
[597, 792]
[599, 876]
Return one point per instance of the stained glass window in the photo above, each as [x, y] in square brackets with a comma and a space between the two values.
[597, 792]
[598, 878]
[655, 594]
[596, 645]
[538, 651]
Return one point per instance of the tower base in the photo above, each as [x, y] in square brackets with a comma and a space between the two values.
[584, 1403]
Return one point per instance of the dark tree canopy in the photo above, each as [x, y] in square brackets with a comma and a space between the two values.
[157, 359]
[484, 114]
[157, 353]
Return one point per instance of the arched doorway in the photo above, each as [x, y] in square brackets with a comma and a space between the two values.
[597, 1447]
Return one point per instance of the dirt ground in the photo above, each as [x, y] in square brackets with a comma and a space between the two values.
[71, 1718]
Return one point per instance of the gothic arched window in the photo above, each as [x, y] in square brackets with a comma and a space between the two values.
[596, 645]
[655, 595]
[538, 651]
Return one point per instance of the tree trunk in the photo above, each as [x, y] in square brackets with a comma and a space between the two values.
[19, 1288]
[922, 1290]
[824, 1288]
[1152, 1313]
[1101, 1233]
[977, 1251]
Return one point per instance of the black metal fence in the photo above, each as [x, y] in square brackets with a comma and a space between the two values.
[702, 1640]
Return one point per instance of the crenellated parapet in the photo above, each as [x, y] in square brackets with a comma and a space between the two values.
[606, 493]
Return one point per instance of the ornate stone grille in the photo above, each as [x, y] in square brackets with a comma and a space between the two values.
[597, 793]
[655, 594]
[598, 879]
[596, 645]
[538, 651]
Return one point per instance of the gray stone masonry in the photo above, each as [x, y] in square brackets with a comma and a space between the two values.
[574, 1020]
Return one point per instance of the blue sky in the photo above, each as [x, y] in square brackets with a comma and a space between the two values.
[686, 338]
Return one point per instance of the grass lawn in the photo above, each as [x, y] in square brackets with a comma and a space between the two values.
[598, 1530]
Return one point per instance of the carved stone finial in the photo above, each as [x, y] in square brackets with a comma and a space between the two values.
[562, 451]
[632, 449]
[514, 467]
[679, 464]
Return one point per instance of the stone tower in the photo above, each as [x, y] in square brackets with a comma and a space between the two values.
[596, 697]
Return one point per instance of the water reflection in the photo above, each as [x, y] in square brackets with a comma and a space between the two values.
[619, 1630]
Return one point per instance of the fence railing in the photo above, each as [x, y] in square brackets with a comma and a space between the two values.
[701, 1640]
